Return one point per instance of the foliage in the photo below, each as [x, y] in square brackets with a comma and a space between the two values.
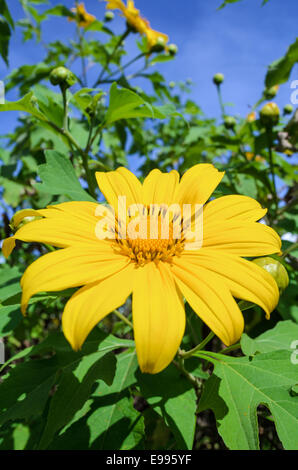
[54, 398]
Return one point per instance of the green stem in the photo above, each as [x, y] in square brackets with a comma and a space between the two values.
[111, 56]
[108, 77]
[195, 381]
[187, 354]
[84, 68]
[222, 108]
[288, 250]
[123, 318]
[230, 348]
[271, 163]
[65, 109]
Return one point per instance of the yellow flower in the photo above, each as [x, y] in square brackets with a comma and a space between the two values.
[83, 18]
[137, 22]
[251, 117]
[251, 155]
[159, 272]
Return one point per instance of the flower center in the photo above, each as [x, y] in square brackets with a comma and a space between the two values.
[150, 238]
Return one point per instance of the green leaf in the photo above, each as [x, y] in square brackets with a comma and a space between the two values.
[173, 397]
[279, 71]
[74, 389]
[4, 11]
[239, 385]
[25, 390]
[9, 282]
[279, 337]
[27, 104]
[58, 177]
[4, 39]
[125, 104]
[108, 420]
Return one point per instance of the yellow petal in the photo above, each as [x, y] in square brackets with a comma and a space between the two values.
[70, 267]
[240, 276]
[8, 245]
[121, 182]
[241, 238]
[158, 317]
[210, 299]
[92, 303]
[160, 188]
[197, 184]
[63, 225]
[233, 207]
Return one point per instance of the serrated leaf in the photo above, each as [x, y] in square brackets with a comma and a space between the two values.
[58, 177]
[27, 104]
[279, 337]
[239, 385]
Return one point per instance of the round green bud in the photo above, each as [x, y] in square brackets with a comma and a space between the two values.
[218, 78]
[63, 77]
[276, 269]
[109, 16]
[229, 122]
[159, 46]
[288, 109]
[271, 92]
[269, 114]
[173, 49]
[172, 84]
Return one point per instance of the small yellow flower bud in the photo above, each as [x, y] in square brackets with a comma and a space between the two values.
[251, 117]
[276, 269]
[269, 114]
[23, 217]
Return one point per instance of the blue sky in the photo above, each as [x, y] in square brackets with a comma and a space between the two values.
[240, 41]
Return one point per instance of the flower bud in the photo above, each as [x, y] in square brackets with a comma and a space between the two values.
[109, 16]
[159, 46]
[172, 84]
[288, 109]
[173, 49]
[23, 217]
[269, 114]
[229, 122]
[218, 78]
[276, 269]
[63, 77]
[251, 117]
[271, 92]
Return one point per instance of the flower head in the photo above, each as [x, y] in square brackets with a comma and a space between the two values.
[83, 18]
[113, 252]
[137, 22]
